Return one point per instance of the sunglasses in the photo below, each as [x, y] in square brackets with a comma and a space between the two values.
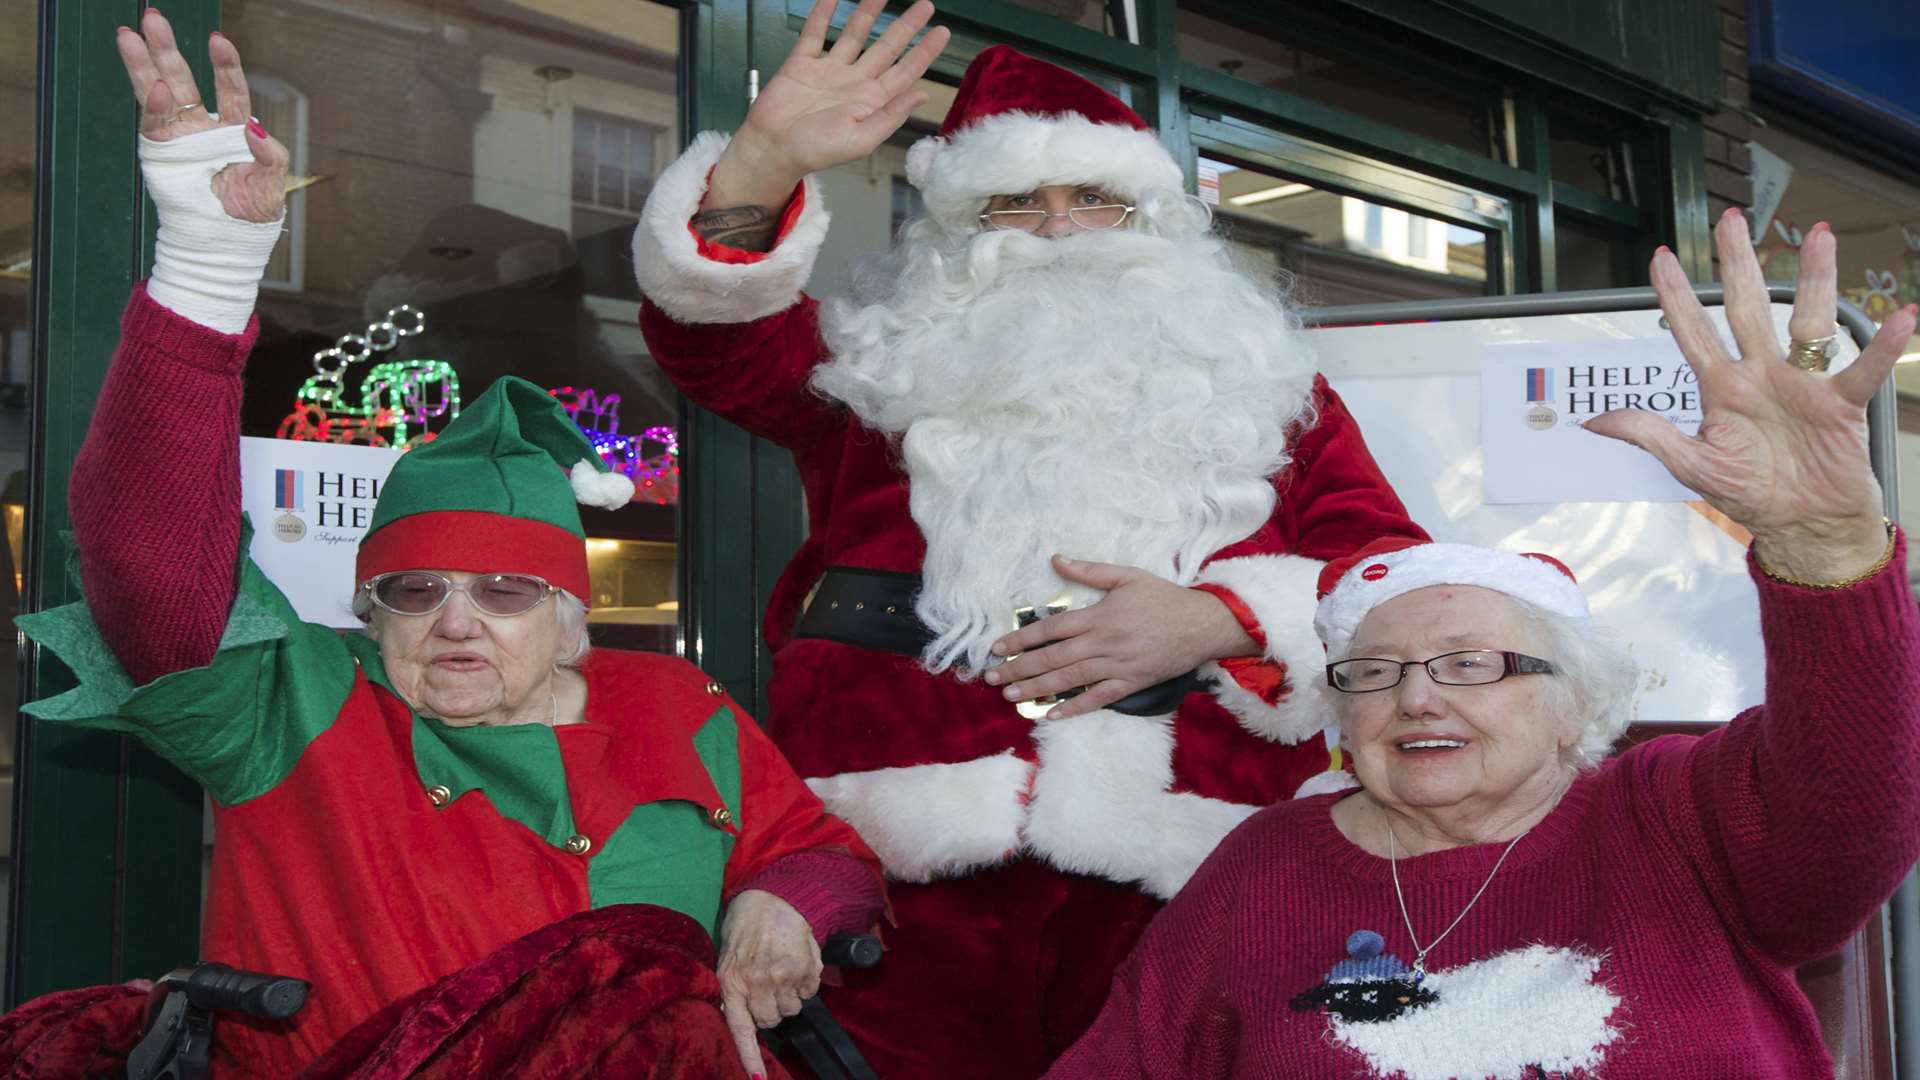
[421, 592]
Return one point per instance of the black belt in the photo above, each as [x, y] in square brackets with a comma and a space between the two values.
[873, 609]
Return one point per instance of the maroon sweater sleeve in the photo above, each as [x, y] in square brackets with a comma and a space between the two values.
[1808, 807]
[155, 494]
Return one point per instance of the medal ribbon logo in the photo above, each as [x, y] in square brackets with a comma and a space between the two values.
[289, 489]
[1539, 384]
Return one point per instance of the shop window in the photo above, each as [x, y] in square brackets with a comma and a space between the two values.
[1426, 98]
[1341, 248]
[1876, 219]
[1594, 256]
[17, 153]
[282, 110]
[481, 165]
[1589, 156]
[1096, 15]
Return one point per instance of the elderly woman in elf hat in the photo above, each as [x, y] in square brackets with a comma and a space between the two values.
[1499, 898]
[410, 808]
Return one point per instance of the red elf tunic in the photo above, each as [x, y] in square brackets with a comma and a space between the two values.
[371, 850]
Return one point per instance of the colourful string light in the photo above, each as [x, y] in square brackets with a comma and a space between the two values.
[651, 458]
[395, 397]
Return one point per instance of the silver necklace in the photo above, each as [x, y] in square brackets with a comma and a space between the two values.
[1420, 953]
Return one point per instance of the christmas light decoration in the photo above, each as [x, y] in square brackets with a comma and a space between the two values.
[396, 397]
[651, 458]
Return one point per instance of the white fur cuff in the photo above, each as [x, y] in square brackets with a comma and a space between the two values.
[695, 289]
[1280, 590]
[934, 821]
[1102, 805]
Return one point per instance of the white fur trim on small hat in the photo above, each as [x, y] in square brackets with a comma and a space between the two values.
[1375, 580]
[1015, 152]
[595, 486]
[695, 289]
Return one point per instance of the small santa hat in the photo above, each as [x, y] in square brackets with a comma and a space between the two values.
[496, 492]
[1393, 566]
[1017, 124]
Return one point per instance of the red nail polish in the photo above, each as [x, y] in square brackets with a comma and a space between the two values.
[258, 131]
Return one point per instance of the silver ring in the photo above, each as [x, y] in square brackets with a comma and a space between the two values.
[1812, 354]
[183, 109]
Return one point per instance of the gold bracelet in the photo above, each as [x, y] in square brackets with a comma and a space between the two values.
[1826, 586]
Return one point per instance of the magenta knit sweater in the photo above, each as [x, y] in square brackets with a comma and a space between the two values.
[1648, 927]
[157, 559]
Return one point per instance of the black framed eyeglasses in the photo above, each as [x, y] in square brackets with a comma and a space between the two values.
[423, 592]
[1471, 667]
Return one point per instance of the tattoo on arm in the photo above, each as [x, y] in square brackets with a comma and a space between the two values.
[749, 228]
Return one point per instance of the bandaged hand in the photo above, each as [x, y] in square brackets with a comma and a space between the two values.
[218, 180]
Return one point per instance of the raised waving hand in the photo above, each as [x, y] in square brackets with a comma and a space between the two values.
[827, 106]
[171, 109]
[1780, 450]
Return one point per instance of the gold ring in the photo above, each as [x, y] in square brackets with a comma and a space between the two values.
[1812, 354]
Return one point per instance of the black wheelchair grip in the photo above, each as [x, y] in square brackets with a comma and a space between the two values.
[850, 950]
[217, 986]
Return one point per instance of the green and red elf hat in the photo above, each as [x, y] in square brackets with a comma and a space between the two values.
[496, 493]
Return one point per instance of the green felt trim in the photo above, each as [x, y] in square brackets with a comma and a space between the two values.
[670, 853]
[519, 767]
[237, 725]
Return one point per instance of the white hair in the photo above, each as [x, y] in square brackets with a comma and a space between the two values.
[1119, 396]
[1591, 690]
[569, 612]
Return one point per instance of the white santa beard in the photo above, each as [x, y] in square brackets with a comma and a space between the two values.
[1116, 397]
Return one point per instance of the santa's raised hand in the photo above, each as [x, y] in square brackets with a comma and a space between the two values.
[1144, 631]
[826, 107]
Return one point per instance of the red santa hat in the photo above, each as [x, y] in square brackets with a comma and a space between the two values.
[1395, 566]
[1018, 124]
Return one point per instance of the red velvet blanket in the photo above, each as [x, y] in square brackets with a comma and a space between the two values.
[623, 991]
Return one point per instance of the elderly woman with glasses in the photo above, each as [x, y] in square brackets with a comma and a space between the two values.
[466, 797]
[1499, 898]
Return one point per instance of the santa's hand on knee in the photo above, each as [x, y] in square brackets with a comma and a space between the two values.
[1144, 631]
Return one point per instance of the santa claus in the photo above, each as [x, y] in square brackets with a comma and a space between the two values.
[1055, 443]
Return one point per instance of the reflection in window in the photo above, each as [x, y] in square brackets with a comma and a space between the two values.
[1455, 110]
[17, 151]
[482, 165]
[612, 161]
[1339, 248]
[282, 110]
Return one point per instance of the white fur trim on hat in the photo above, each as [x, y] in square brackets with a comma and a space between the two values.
[694, 289]
[597, 486]
[1015, 152]
[933, 821]
[1377, 579]
[1280, 591]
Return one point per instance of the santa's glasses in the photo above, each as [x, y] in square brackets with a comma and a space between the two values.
[421, 592]
[1087, 217]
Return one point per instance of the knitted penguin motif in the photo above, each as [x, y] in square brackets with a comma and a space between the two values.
[1524, 1014]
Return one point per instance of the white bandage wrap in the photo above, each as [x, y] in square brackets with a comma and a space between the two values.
[206, 265]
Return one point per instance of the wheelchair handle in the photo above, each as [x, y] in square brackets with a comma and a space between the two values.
[850, 950]
[217, 986]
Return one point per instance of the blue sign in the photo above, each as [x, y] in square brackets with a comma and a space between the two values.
[1858, 59]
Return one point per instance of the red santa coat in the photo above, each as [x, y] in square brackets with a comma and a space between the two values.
[942, 776]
